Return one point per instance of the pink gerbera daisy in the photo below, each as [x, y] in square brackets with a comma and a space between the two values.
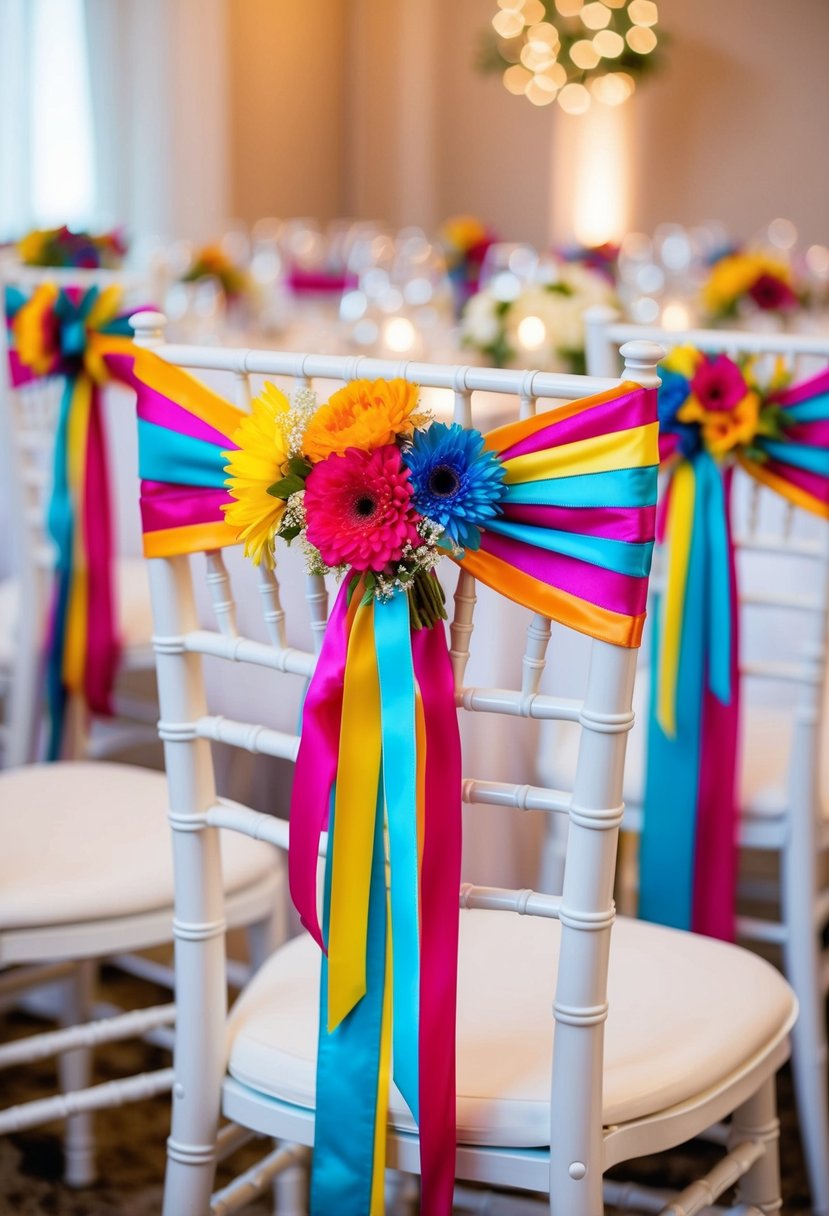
[718, 383]
[359, 508]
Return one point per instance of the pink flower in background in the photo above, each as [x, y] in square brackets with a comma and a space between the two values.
[718, 383]
[359, 508]
[772, 294]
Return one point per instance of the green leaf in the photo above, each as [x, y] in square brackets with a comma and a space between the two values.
[291, 532]
[287, 486]
[299, 466]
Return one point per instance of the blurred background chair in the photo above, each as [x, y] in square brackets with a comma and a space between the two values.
[29, 418]
[660, 1086]
[783, 589]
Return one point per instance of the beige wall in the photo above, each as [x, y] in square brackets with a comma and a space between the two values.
[287, 118]
[374, 108]
[735, 128]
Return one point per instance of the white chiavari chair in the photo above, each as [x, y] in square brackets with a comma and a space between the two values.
[28, 418]
[85, 872]
[783, 563]
[658, 1034]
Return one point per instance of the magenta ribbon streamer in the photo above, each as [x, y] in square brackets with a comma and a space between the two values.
[716, 851]
[102, 642]
[623, 413]
[617, 592]
[440, 887]
[316, 766]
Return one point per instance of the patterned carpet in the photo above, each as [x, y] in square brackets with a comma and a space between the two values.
[131, 1139]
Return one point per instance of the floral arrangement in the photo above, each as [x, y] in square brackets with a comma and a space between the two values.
[604, 258]
[570, 51]
[61, 247]
[743, 282]
[465, 241]
[543, 325]
[366, 483]
[212, 261]
[710, 402]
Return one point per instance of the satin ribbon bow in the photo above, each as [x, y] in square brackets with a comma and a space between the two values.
[379, 760]
[67, 332]
[688, 860]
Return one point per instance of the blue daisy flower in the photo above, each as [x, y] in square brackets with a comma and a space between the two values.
[458, 483]
[673, 393]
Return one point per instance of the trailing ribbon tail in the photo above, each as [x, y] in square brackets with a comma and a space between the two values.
[689, 851]
[66, 332]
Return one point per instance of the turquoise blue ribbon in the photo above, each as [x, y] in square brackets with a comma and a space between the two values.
[60, 522]
[392, 638]
[667, 852]
[814, 460]
[348, 1062]
[816, 409]
[617, 488]
[621, 556]
[165, 455]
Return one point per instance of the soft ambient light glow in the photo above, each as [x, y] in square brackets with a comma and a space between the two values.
[532, 333]
[580, 40]
[675, 316]
[399, 334]
[591, 196]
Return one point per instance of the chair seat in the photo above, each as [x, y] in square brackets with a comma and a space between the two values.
[86, 841]
[685, 1012]
[132, 594]
[764, 755]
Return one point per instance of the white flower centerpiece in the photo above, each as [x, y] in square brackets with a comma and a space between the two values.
[541, 324]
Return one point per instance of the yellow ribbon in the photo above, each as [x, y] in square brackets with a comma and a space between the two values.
[680, 526]
[76, 614]
[631, 449]
[355, 807]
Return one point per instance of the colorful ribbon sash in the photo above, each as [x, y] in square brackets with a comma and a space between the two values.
[67, 332]
[379, 762]
[688, 861]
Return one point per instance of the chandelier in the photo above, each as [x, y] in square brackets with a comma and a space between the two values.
[572, 52]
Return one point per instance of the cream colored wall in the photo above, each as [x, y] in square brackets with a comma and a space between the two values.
[374, 108]
[287, 114]
[735, 129]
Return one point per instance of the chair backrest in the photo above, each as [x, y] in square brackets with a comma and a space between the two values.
[188, 727]
[28, 423]
[782, 554]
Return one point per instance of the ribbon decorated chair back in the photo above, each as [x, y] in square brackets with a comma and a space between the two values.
[378, 763]
[53, 341]
[744, 441]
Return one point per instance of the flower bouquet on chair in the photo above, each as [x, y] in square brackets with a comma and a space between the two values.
[714, 414]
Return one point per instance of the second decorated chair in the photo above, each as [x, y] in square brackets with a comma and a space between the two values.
[654, 1034]
[781, 616]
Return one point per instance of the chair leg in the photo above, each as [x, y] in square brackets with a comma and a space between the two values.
[801, 953]
[74, 1071]
[756, 1119]
[290, 1191]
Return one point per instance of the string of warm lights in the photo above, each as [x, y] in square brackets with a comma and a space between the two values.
[573, 52]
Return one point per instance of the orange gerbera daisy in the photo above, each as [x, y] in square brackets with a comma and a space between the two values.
[364, 415]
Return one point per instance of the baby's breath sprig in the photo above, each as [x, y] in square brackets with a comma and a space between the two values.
[303, 407]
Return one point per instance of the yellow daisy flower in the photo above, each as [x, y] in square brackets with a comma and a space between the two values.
[362, 415]
[259, 461]
[33, 338]
[723, 430]
[683, 359]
